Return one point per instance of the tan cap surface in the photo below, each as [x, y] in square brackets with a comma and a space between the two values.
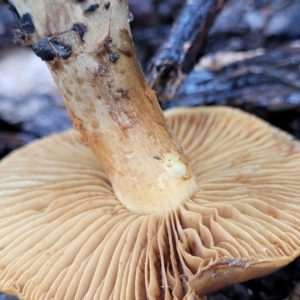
[65, 236]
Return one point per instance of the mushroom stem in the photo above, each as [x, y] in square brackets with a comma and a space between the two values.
[89, 50]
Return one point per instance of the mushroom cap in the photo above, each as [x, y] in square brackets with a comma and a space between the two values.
[64, 235]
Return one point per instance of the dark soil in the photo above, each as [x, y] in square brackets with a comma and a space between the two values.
[266, 84]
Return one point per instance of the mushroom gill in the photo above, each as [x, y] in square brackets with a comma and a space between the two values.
[64, 235]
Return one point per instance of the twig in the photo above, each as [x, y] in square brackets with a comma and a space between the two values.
[180, 52]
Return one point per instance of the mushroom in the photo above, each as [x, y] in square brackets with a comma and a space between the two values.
[123, 209]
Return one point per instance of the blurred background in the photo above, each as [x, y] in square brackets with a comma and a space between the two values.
[250, 60]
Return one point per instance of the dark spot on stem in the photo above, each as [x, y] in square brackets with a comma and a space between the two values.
[156, 157]
[27, 24]
[47, 49]
[107, 5]
[92, 8]
[113, 57]
[24, 25]
[81, 29]
[43, 50]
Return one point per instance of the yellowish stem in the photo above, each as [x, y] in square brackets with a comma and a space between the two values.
[109, 100]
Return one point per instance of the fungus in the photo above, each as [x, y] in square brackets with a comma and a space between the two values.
[118, 209]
